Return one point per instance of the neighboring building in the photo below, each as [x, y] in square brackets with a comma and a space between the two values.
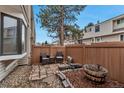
[69, 39]
[17, 35]
[70, 42]
[55, 42]
[66, 42]
[111, 30]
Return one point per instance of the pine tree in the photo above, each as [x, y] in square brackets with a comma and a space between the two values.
[55, 18]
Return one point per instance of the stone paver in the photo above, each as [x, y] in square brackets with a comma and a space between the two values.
[43, 71]
[22, 76]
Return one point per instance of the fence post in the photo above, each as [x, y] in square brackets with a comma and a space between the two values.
[65, 54]
[84, 54]
[50, 50]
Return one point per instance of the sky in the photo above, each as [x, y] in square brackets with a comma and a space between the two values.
[91, 13]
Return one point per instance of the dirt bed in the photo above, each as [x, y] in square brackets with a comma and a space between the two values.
[78, 80]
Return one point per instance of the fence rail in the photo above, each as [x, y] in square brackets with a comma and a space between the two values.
[109, 55]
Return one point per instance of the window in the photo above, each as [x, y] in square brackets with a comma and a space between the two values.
[97, 28]
[121, 37]
[23, 38]
[80, 41]
[85, 29]
[120, 21]
[9, 35]
[12, 35]
[98, 39]
[92, 39]
[90, 29]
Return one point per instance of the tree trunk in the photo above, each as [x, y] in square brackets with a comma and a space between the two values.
[62, 26]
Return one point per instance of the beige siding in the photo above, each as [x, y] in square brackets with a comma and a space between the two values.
[111, 38]
[105, 29]
[14, 11]
[87, 41]
[106, 32]
[25, 15]
[4, 71]
[89, 34]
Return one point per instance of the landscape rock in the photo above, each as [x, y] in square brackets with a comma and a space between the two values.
[34, 76]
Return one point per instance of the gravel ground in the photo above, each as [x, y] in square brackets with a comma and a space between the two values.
[19, 78]
[78, 80]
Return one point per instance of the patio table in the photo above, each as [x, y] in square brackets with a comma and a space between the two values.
[52, 59]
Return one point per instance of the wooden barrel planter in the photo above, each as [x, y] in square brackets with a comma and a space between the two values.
[95, 72]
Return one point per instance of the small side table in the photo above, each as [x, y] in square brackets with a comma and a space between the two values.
[52, 59]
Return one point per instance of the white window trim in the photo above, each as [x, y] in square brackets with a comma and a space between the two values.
[10, 57]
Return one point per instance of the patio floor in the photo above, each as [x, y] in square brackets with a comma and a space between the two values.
[35, 76]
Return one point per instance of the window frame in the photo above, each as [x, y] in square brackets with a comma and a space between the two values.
[98, 39]
[25, 32]
[97, 28]
[2, 31]
[121, 37]
[0, 36]
[18, 37]
[118, 21]
[90, 29]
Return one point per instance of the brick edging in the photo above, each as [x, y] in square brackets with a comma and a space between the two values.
[65, 81]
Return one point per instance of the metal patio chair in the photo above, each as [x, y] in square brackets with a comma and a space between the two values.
[44, 58]
[59, 57]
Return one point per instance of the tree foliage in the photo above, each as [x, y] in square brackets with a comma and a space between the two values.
[74, 30]
[90, 24]
[55, 18]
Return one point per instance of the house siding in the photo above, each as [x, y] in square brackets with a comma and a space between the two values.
[107, 32]
[4, 71]
[25, 58]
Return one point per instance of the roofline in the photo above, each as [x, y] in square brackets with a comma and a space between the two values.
[112, 18]
[107, 20]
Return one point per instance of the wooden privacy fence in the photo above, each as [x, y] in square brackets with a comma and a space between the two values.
[50, 50]
[111, 56]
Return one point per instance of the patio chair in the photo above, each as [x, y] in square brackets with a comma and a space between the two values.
[44, 59]
[59, 57]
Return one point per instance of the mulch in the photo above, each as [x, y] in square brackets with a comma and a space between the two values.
[78, 80]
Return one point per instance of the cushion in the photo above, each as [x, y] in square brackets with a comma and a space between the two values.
[45, 58]
[59, 57]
